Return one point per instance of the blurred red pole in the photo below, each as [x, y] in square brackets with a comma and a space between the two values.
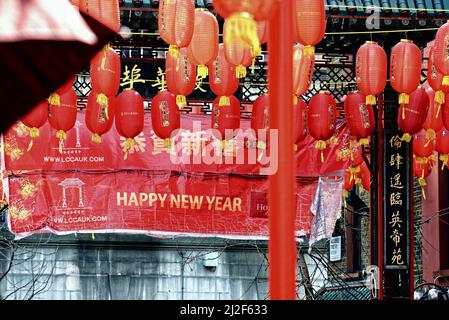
[282, 245]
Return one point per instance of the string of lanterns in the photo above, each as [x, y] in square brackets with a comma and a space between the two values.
[194, 51]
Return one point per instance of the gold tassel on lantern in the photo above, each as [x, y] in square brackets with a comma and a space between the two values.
[167, 143]
[354, 171]
[34, 133]
[407, 137]
[242, 26]
[404, 98]
[61, 135]
[295, 100]
[345, 196]
[445, 159]
[403, 112]
[253, 64]
[446, 81]
[309, 51]
[364, 141]
[181, 101]
[224, 101]
[370, 100]
[440, 97]
[240, 72]
[423, 183]
[96, 138]
[321, 145]
[430, 135]
[129, 144]
[202, 71]
[438, 111]
[54, 99]
[103, 101]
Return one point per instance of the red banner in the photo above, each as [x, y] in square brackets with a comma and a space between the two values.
[149, 153]
[156, 203]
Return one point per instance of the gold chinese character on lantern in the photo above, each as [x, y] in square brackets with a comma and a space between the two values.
[160, 82]
[131, 77]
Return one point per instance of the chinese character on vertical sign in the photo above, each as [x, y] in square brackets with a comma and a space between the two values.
[396, 142]
[396, 160]
[131, 77]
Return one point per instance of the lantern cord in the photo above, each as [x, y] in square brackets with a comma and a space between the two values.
[438, 111]
[30, 145]
[403, 112]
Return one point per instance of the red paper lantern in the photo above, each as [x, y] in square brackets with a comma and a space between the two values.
[99, 117]
[203, 48]
[35, 119]
[442, 146]
[300, 114]
[260, 119]
[176, 20]
[226, 118]
[303, 67]
[422, 169]
[405, 69]
[181, 76]
[364, 178]
[105, 11]
[239, 55]
[434, 119]
[310, 21]
[165, 116]
[360, 117]
[411, 116]
[442, 52]
[356, 159]
[223, 82]
[105, 72]
[62, 116]
[435, 79]
[105, 76]
[348, 185]
[422, 147]
[321, 119]
[129, 117]
[445, 112]
[242, 17]
[371, 70]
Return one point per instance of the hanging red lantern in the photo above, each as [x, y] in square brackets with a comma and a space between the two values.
[441, 53]
[181, 76]
[99, 117]
[176, 20]
[411, 116]
[129, 117]
[303, 67]
[422, 169]
[62, 116]
[348, 185]
[434, 119]
[203, 48]
[310, 21]
[405, 69]
[223, 82]
[165, 116]
[421, 146]
[371, 70]
[445, 112]
[239, 55]
[300, 114]
[435, 79]
[356, 159]
[321, 119]
[364, 178]
[226, 117]
[105, 73]
[360, 117]
[442, 146]
[241, 19]
[35, 119]
[260, 119]
[105, 11]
